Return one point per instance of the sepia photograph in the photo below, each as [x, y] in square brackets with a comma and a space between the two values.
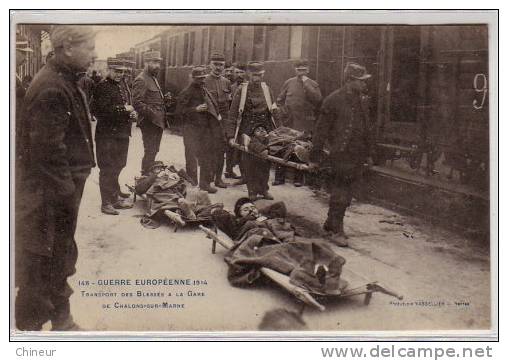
[289, 171]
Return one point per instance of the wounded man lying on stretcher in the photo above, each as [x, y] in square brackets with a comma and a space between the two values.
[169, 196]
[264, 238]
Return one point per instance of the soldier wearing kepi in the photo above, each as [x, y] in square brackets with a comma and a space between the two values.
[60, 158]
[252, 106]
[202, 126]
[239, 76]
[301, 97]
[345, 125]
[229, 72]
[114, 112]
[220, 89]
[149, 103]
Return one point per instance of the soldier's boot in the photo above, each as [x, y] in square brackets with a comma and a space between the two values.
[241, 181]
[334, 227]
[253, 196]
[208, 188]
[66, 324]
[267, 195]
[298, 180]
[220, 183]
[108, 209]
[280, 176]
[337, 239]
[231, 174]
[121, 204]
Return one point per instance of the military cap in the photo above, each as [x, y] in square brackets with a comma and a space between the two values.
[153, 55]
[239, 203]
[157, 164]
[198, 72]
[70, 33]
[240, 66]
[356, 71]
[256, 67]
[301, 64]
[217, 56]
[22, 43]
[115, 63]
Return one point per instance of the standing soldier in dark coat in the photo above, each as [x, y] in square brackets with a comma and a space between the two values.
[344, 124]
[149, 103]
[229, 72]
[220, 89]
[22, 50]
[60, 158]
[202, 126]
[252, 106]
[114, 112]
[300, 97]
[239, 78]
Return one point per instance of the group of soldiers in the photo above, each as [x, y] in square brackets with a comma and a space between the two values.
[56, 148]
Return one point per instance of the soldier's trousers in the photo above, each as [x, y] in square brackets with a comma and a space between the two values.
[111, 159]
[200, 141]
[152, 135]
[43, 291]
[341, 194]
[221, 148]
[191, 145]
[257, 173]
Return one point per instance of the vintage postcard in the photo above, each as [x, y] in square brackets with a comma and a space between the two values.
[231, 173]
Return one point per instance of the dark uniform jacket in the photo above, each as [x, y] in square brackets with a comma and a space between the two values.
[301, 100]
[60, 142]
[192, 96]
[148, 100]
[113, 120]
[255, 111]
[343, 124]
[21, 136]
[220, 89]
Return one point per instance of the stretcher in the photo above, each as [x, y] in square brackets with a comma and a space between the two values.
[271, 158]
[176, 218]
[309, 297]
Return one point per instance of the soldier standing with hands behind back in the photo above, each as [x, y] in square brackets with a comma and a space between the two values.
[114, 112]
[149, 103]
[344, 124]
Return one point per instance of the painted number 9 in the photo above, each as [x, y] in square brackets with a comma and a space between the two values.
[480, 86]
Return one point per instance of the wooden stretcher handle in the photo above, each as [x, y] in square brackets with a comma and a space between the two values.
[273, 159]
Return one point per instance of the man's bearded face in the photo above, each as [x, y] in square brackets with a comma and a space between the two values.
[249, 210]
[116, 75]
[239, 74]
[153, 67]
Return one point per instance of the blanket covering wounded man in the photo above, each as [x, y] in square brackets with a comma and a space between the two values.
[264, 238]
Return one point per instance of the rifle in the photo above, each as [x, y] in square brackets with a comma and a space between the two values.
[279, 278]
